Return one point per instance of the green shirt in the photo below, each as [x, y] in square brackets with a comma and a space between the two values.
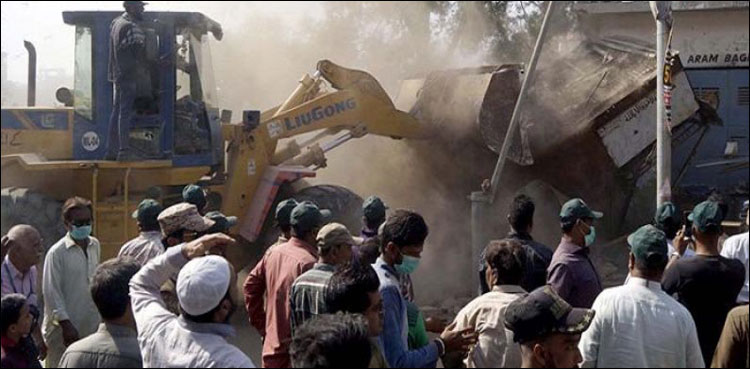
[112, 346]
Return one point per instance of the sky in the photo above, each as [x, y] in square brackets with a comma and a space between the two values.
[41, 23]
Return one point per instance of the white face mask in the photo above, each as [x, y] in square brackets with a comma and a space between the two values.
[591, 237]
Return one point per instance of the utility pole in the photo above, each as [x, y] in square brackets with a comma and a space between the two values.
[481, 212]
[662, 11]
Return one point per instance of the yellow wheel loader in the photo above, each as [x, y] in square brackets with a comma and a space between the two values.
[50, 154]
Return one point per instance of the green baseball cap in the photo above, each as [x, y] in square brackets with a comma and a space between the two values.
[649, 244]
[223, 222]
[374, 208]
[665, 213]
[148, 212]
[193, 194]
[307, 216]
[706, 214]
[284, 211]
[577, 209]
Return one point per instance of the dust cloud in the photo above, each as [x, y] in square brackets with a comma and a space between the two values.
[259, 63]
[267, 47]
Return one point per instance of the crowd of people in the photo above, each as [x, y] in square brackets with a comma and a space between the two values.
[323, 297]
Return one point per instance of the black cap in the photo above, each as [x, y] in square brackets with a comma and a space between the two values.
[126, 4]
[543, 312]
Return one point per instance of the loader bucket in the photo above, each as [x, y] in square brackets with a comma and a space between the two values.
[583, 88]
[474, 103]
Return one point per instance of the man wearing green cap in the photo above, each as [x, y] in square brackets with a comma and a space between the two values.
[667, 219]
[572, 273]
[268, 286]
[373, 210]
[638, 325]
[193, 194]
[148, 244]
[707, 284]
[283, 220]
[222, 223]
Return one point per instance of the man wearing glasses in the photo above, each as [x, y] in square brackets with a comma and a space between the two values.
[69, 311]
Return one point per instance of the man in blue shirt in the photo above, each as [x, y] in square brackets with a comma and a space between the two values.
[403, 241]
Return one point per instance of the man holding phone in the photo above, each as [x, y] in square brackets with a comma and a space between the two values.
[707, 284]
[666, 219]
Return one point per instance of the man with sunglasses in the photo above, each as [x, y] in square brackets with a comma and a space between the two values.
[69, 311]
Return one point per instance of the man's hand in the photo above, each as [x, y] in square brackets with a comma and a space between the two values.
[212, 244]
[69, 333]
[458, 341]
[680, 243]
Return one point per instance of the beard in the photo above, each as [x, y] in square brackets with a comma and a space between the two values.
[228, 319]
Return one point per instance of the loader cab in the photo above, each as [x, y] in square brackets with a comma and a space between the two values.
[177, 115]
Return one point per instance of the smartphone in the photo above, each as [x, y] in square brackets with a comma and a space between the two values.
[688, 224]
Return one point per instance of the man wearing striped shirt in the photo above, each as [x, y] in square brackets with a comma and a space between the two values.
[308, 291]
[148, 244]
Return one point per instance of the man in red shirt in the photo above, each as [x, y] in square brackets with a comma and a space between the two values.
[273, 277]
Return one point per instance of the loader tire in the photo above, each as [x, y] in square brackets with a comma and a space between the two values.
[345, 205]
[24, 206]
